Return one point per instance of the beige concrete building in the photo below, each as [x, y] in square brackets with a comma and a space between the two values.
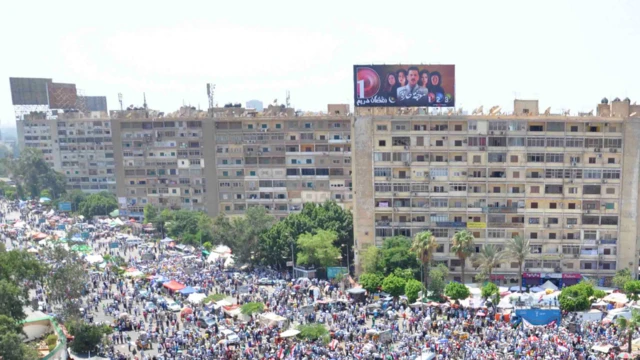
[231, 158]
[77, 145]
[567, 183]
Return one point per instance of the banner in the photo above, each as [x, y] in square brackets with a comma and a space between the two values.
[476, 225]
[404, 85]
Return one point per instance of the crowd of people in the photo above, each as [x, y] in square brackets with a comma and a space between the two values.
[145, 327]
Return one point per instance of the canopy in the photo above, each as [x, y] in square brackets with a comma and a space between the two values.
[44, 200]
[94, 258]
[356, 291]
[289, 333]
[166, 240]
[222, 249]
[536, 289]
[549, 285]
[133, 273]
[173, 285]
[187, 290]
[115, 213]
[196, 298]
[616, 298]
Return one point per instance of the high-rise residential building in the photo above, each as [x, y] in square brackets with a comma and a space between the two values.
[230, 158]
[569, 184]
[76, 145]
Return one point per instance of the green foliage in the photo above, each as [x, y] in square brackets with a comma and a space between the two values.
[12, 348]
[622, 277]
[214, 298]
[412, 288]
[629, 326]
[151, 214]
[599, 294]
[462, 246]
[370, 281]
[51, 341]
[32, 174]
[424, 246]
[489, 258]
[396, 254]
[207, 246]
[12, 300]
[242, 234]
[371, 260]
[517, 249]
[632, 289]
[313, 331]
[317, 250]
[456, 291]
[393, 285]
[75, 197]
[251, 308]
[406, 274]
[437, 278]
[100, 204]
[87, 337]
[187, 226]
[490, 290]
[67, 279]
[576, 297]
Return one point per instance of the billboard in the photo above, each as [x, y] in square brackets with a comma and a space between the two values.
[29, 91]
[62, 96]
[404, 85]
[64, 206]
[95, 103]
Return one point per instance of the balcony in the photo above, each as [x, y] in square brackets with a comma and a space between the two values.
[501, 209]
[506, 225]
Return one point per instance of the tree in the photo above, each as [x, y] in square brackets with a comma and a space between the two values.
[424, 246]
[12, 348]
[246, 233]
[12, 300]
[370, 281]
[318, 250]
[489, 258]
[576, 297]
[393, 285]
[151, 214]
[371, 260]
[630, 326]
[456, 291]
[32, 174]
[491, 292]
[518, 249]
[207, 246]
[622, 277]
[87, 337]
[412, 288]
[599, 294]
[75, 197]
[101, 203]
[462, 247]
[68, 277]
[312, 331]
[632, 289]
[437, 283]
[251, 308]
[396, 254]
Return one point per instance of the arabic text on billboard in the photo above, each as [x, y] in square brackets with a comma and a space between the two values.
[404, 85]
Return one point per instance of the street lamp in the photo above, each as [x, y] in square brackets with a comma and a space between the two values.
[348, 268]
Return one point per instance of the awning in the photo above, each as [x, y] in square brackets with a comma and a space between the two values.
[187, 290]
[289, 333]
[173, 285]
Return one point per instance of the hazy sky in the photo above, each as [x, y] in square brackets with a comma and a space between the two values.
[568, 54]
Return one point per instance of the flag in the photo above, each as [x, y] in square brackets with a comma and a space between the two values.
[540, 300]
[280, 353]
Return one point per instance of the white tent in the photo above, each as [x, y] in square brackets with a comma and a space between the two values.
[94, 259]
[616, 298]
[222, 250]
[213, 257]
[549, 285]
[229, 262]
[166, 240]
[196, 298]
[271, 319]
[289, 333]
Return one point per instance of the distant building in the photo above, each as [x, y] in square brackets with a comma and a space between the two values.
[255, 104]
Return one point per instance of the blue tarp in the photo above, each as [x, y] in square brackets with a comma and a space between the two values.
[540, 316]
[188, 290]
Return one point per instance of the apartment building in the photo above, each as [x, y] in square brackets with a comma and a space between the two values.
[230, 158]
[77, 145]
[556, 180]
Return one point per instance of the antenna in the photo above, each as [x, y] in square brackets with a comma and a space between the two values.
[120, 100]
[287, 102]
[144, 96]
[211, 88]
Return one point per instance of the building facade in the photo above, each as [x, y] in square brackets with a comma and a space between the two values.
[76, 145]
[555, 180]
[228, 159]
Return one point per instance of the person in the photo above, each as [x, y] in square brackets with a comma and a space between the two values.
[435, 87]
[391, 86]
[401, 75]
[424, 79]
[412, 91]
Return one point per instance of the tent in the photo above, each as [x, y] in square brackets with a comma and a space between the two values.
[173, 285]
[115, 213]
[222, 250]
[536, 289]
[619, 298]
[549, 285]
[166, 240]
[188, 290]
[93, 259]
[196, 298]
[44, 200]
[289, 333]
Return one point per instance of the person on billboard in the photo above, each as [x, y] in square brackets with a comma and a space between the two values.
[401, 75]
[424, 79]
[391, 86]
[412, 92]
[435, 86]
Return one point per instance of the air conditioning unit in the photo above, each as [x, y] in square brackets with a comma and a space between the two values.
[482, 148]
[596, 150]
[613, 150]
[406, 163]
[588, 211]
[395, 194]
[388, 178]
[492, 133]
[444, 138]
[576, 256]
[406, 148]
[570, 226]
[414, 194]
[259, 153]
[604, 181]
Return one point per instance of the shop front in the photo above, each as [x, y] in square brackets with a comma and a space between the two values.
[558, 279]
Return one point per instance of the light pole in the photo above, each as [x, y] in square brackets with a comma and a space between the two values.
[348, 268]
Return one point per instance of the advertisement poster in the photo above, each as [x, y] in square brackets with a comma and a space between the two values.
[404, 85]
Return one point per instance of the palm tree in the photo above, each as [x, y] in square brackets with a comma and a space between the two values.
[463, 247]
[518, 249]
[630, 325]
[424, 245]
[489, 258]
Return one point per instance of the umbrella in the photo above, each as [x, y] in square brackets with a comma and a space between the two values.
[480, 313]
[186, 311]
[624, 355]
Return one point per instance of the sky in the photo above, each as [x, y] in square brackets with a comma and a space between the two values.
[567, 54]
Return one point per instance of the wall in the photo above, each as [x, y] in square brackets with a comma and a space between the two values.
[363, 198]
[628, 248]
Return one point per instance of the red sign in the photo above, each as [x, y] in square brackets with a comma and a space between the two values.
[571, 276]
[497, 277]
[531, 275]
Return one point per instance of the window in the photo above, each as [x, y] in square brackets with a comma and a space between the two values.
[553, 205]
[382, 143]
[611, 160]
[535, 157]
[592, 174]
[457, 143]
[458, 187]
[382, 156]
[382, 172]
[534, 205]
[515, 141]
[555, 142]
[573, 190]
[535, 142]
[439, 172]
[381, 127]
[497, 157]
[535, 189]
[477, 159]
[496, 234]
[555, 126]
[472, 125]
[514, 158]
[592, 160]
[575, 142]
[555, 158]
[516, 175]
[249, 126]
[611, 191]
